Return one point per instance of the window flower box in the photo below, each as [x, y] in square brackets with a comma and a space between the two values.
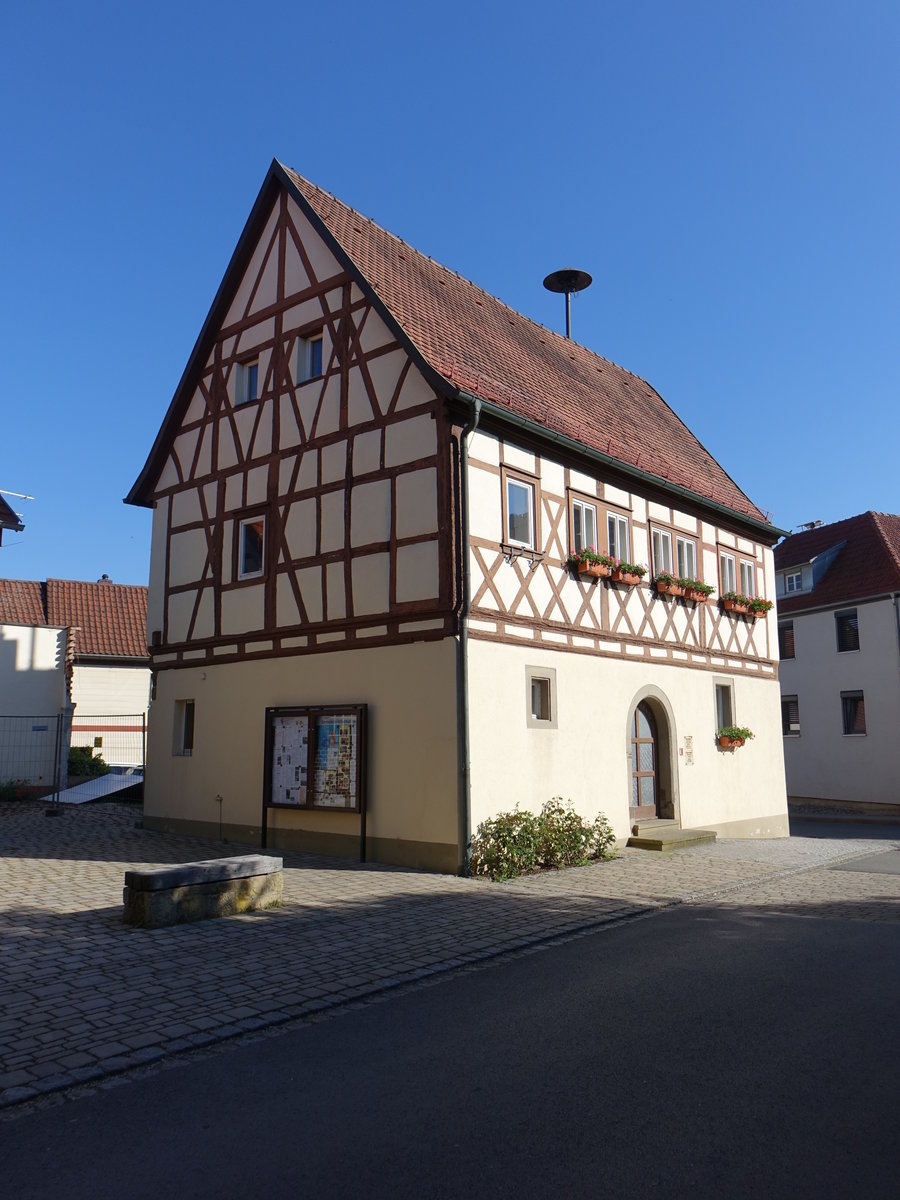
[732, 737]
[589, 562]
[668, 585]
[759, 608]
[696, 590]
[628, 573]
[737, 603]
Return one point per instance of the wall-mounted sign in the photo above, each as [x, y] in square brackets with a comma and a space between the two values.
[315, 758]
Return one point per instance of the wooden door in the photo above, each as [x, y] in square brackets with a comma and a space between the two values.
[644, 782]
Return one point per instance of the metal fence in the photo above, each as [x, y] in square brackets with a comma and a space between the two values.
[31, 752]
[120, 739]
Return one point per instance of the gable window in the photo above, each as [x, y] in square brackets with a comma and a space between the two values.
[790, 716]
[309, 357]
[662, 551]
[786, 639]
[724, 705]
[793, 582]
[247, 382]
[617, 527]
[520, 512]
[541, 697]
[686, 555]
[251, 547]
[183, 739]
[748, 578]
[584, 525]
[853, 711]
[847, 626]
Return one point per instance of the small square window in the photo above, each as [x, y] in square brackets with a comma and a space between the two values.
[252, 547]
[853, 711]
[847, 626]
[520, 513]
[247, 382]
[584, 525]
[662, 551]
[790, 716]
[724, 705]
[183, 739]
[793, 582]
[309, 358]
[786, 639]
[541, 697]
[617, 527]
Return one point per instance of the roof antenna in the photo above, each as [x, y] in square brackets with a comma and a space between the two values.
[568, 280]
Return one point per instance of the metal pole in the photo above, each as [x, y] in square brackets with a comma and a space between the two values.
[568, 314]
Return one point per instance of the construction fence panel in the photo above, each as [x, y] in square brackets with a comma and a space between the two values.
[119, 739]
[30, 752]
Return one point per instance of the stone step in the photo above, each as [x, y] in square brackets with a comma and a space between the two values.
[665, 836]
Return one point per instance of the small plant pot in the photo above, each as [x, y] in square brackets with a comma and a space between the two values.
[729, 743]
[593, 569]
[733, 606]
[670, 589]
[626, 577]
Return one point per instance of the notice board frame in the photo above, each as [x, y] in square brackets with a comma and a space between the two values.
[313, 712]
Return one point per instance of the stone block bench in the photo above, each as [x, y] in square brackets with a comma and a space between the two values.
[219, 887]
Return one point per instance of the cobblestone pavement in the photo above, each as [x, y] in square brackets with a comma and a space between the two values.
[83, 996]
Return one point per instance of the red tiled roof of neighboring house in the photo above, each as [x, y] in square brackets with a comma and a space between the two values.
[110, 619]
[480, 346]
[868, 565]
[21, 602]
[485, 347]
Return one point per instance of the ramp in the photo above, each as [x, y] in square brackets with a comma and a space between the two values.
[101, 787]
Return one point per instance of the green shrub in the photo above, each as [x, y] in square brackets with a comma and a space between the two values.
[512, 843]
[83, 762]
[13, 789]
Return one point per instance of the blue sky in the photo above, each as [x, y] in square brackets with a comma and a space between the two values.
[727, 173]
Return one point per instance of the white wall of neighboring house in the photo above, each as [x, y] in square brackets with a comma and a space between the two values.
[114, 694]
[822, 762]
[32, 670]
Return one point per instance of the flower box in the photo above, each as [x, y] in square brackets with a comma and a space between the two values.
[669, 589]
[631, 578]
[596, 569]
[731, 743]
[735, 607]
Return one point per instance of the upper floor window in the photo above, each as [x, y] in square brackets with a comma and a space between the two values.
[584, 525]
[309, 357]
[786, 639]
[853, 712]
[748, 578]
[727, 573]
[247, 382]
[520, 512]
[793, 582]
[662, 551]
[686, 554]
[847, 626]
[737, 574]
[617, 528]
[251, 547]
[790, 715]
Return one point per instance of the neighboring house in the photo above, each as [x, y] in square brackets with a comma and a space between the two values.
[365, 492]
[9, 519]
[838, 588]
[66, 641]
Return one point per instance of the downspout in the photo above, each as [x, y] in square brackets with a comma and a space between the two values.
[464, 806]
[897, 620]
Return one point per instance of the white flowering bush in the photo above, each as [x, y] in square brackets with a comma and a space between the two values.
[516, 842]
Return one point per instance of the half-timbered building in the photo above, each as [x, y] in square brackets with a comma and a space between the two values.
[362, 616]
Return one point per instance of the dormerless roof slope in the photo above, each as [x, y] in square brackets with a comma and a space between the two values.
[110, 618]
[476, 343]
[868, 565]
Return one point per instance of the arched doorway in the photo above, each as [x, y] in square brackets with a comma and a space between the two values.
[645, 750]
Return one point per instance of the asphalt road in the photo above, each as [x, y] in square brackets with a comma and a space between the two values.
[701, 1052]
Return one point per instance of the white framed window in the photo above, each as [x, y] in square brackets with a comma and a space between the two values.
[617, 528]
[727, 572]
[793, 582]
[519, 512]
[584, 525]
[247, 382]
[251, 547]
[309, 357]
[724, 704]
[540, 685]
[686, 558]
[183, 734]
[662, 551]
[748, 578]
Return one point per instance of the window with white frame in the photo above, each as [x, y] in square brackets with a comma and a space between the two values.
[251, 547]
[617, 527]
[309, 357]
[727, 572]
[584, 525]
[748, 578]
[183, 734]
[520, 512]
[686, 556]
[662, 551]
[541, 697]
[247, 382]
[724, 705]
[793, 582]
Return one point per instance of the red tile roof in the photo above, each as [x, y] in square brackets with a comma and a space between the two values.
[482, 346]
[110, 619]
[868, 565]
[21, 602]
